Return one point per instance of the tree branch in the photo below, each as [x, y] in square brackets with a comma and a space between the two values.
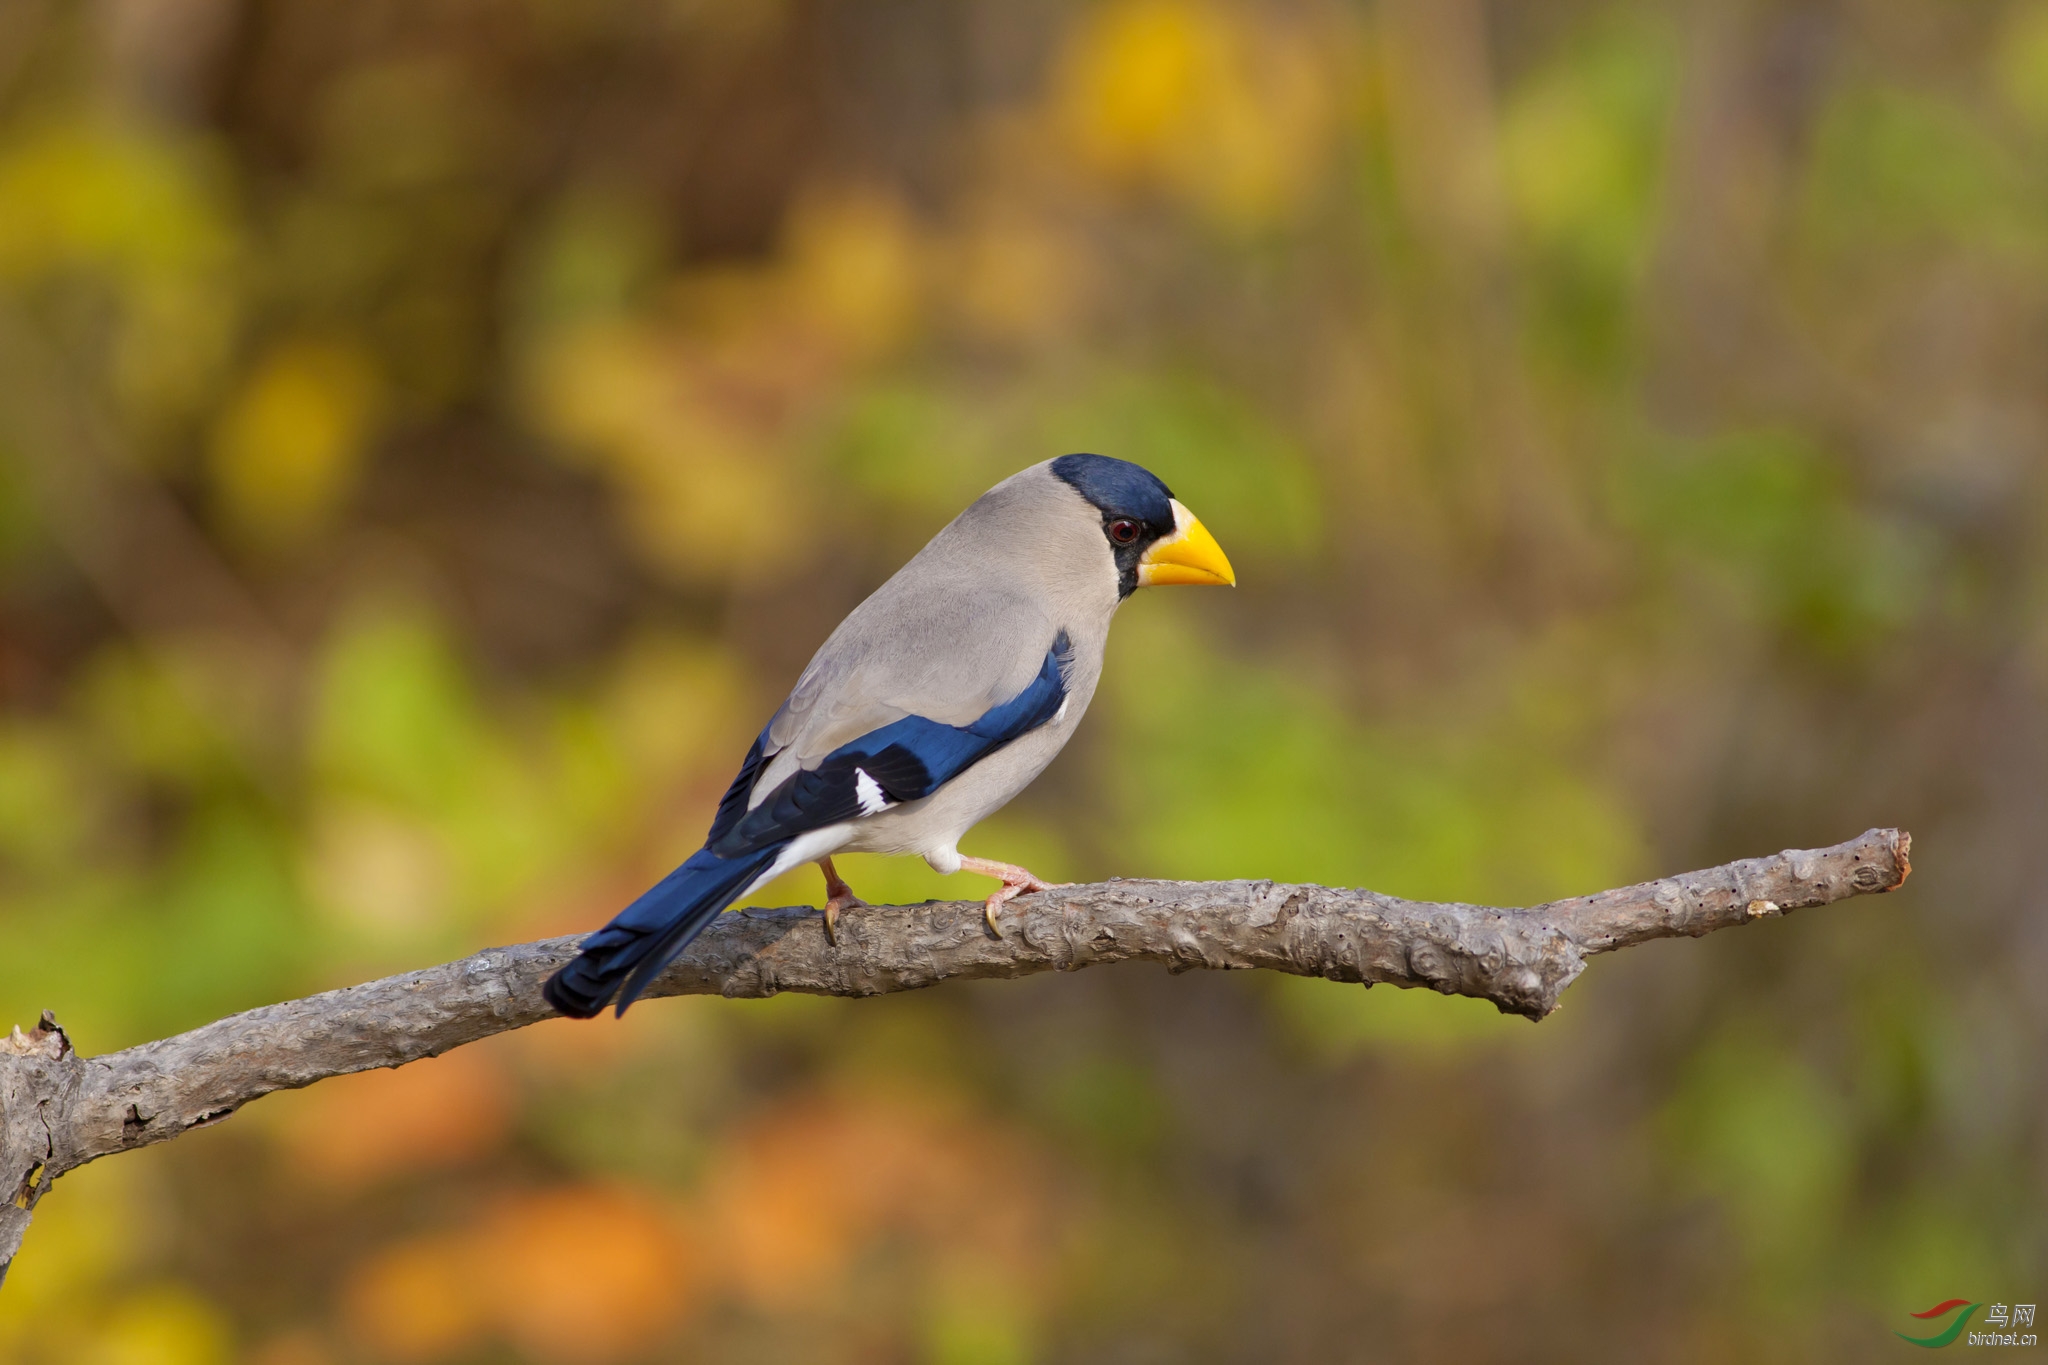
[59, 1110]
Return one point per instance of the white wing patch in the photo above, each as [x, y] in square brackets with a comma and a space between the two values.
[873, 800]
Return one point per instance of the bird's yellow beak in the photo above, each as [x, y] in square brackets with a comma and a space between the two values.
[1189, 555]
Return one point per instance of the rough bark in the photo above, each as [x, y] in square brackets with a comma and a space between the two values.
[62, 1110]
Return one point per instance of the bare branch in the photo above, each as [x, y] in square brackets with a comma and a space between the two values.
[62, 1110]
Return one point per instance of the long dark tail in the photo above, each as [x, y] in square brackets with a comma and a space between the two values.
[626, 955]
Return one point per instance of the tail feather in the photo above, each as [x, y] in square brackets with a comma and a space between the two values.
[623, 958]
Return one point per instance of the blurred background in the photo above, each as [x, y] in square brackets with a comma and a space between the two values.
[435, 433]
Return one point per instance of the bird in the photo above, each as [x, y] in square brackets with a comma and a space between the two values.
[937, 700]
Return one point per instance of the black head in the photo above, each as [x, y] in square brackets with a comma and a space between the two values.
[1136, 507]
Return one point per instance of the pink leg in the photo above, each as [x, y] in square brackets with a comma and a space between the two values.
[838, 896]
[1015, 882]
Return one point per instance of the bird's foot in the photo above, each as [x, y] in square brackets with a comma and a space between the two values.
[833, 906]
[838, 896]
[1015, 882]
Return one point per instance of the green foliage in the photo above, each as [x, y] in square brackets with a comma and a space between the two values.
[1772, 517]
[1111, 1105]
[1766, 1136]
[1895, 167]
[45, 802]
[395, 717]
[917, 447]
[1253, 773]
[1583, 146]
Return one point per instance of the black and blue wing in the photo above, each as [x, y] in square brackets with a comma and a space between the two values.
[902, 761]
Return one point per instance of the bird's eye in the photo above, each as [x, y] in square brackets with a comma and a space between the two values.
[1123, 532]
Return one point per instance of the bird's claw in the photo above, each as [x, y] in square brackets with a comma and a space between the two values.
[838, 896]
[849, 901]
[1016, 881]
